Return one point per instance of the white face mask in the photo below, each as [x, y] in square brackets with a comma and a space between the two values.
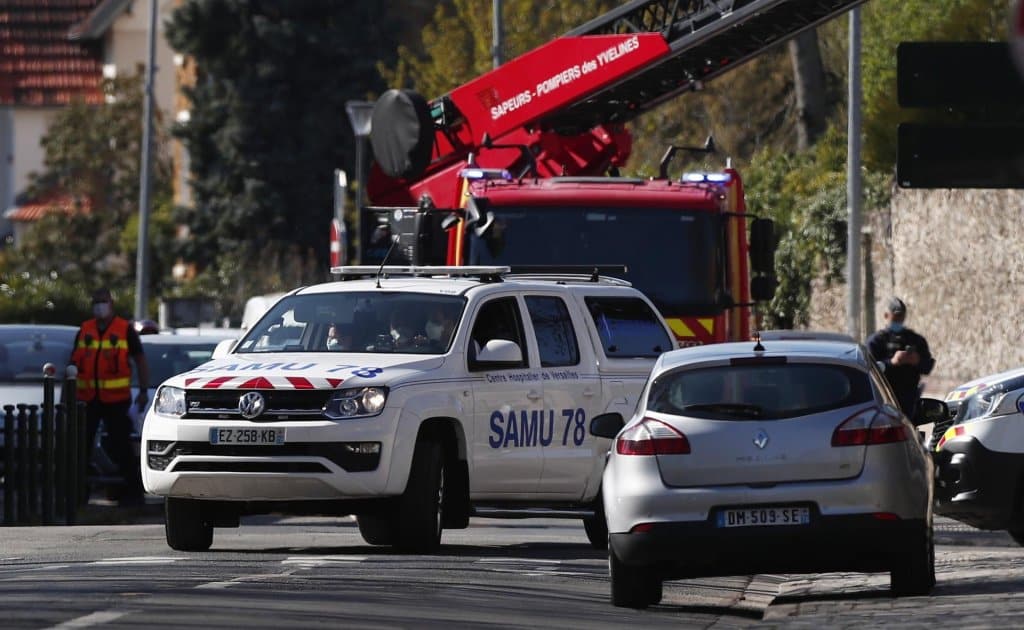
[101, 310]
[332, 343]
[433, 330]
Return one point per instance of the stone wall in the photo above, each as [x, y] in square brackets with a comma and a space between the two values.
[956, 257]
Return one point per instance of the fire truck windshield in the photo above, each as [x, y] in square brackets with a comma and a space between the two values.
[673, 256]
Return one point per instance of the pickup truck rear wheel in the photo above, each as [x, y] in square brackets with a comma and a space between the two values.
[184, 525]
[420, 508]
[633, 587]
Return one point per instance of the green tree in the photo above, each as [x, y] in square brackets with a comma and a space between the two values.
[456, 45]
[267, 129]
[889, 22]
[91, 153]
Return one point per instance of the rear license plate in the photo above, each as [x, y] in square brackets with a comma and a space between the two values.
[246, 436]
[764, 516]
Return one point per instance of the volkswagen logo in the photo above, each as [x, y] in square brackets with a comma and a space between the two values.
[251, 404]
[761, 439]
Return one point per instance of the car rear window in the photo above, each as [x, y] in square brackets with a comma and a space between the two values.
[759, 391]
[628, 327]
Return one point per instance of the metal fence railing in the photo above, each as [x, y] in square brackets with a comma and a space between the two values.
[44, 456]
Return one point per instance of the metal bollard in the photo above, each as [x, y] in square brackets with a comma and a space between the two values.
[72, 408]
[60, 448]
[8, 464]
[46, 458]
[22, 470]
[32, 470]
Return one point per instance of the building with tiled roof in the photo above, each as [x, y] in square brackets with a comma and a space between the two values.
[53, 52]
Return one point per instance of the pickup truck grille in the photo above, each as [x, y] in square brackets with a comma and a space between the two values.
[280, 404]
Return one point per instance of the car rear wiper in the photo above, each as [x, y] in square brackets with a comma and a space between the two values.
[728, 409]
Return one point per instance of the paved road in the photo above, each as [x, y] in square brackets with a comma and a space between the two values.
[316, 572]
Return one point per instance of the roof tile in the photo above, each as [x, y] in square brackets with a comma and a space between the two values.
[38, 63]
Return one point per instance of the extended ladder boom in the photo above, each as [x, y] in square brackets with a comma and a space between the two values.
[566, 101]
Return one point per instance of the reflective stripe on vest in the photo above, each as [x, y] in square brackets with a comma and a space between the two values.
[102, 362]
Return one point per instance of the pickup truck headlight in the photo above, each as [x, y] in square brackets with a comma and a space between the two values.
[356, 402]
[170, 401]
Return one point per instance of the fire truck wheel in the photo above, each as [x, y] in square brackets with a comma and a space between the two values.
[402, 133]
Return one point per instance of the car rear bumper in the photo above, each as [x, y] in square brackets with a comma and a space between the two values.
[978, 486]
[859, 542]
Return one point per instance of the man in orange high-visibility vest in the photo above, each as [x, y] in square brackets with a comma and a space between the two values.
[103, 348]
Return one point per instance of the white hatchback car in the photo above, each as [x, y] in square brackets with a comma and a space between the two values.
[791, 456]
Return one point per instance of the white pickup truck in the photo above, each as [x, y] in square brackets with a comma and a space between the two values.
[411, 397]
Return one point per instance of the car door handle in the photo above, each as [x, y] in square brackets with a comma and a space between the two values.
[533, 395]
[588, 392]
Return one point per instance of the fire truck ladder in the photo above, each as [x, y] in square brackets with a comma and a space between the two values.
[706, 38]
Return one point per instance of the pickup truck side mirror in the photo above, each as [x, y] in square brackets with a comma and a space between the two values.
[500, 351]
[222, 348]
[606, 425]
[930, 410]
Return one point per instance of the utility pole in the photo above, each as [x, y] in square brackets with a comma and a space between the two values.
[853, 183]
[142, 256]
[498, 35]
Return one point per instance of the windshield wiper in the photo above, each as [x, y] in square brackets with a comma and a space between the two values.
[729, 409]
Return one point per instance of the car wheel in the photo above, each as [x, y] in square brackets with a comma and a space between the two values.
[596, 526]
[420, 508]
[914, 571]
[633, 587]
[184, 525]
[377, 529]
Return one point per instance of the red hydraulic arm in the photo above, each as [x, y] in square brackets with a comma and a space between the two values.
[567, 101]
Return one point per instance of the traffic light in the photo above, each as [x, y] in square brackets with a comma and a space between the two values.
[959, 84]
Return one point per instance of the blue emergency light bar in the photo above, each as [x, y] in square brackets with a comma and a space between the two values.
[706, 178]
[485, 173]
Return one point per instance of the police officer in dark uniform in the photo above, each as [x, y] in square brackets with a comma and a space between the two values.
[905, 355]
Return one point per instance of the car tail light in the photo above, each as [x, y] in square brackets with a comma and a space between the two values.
[652, 437]
[869, 427]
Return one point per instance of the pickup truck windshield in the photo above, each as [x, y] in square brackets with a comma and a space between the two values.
[378, 322]
[673, 256]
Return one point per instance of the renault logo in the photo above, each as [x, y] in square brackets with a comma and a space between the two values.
[251, 404]
[761, 439]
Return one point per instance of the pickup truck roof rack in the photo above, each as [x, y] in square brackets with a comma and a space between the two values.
[566, 278]
[487, 274]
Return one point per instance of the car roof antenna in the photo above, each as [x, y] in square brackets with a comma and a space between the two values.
[757, 338]
[394, 243]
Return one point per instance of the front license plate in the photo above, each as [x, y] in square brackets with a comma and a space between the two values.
[246, 436]
[764, 516]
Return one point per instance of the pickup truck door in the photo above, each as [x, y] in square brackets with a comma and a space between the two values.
[572, 395]
[505, 459]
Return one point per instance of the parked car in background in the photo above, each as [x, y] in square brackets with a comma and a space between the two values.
[24, 349]
[171, 354]
[979, 454]
[790, 456]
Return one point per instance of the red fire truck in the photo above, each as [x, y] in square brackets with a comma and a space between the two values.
[520, 166]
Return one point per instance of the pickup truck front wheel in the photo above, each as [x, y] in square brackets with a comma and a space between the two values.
[420, 508]
[377, 529]
[185, 526]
